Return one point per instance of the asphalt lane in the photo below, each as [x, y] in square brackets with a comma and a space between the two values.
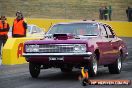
[17, 76]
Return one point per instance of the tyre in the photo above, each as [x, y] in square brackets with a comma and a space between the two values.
[93, 68]
[66, 70]
[34, 69]
[116, 67]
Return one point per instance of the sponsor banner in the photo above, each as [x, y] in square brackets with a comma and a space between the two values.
[109, 82]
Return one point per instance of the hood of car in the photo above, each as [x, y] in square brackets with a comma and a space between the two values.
[54, 41]
[62, 39]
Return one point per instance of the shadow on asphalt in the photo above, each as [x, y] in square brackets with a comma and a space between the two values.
[73, 76]
[60, 76]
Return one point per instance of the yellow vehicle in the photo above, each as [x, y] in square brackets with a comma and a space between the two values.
[33, 31]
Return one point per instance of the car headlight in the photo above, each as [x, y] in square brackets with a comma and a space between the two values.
[80, 48]
[27, 48]
[32, 48]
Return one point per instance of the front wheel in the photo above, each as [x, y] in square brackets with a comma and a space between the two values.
[34, 69]
[93, 68]
[116, 67]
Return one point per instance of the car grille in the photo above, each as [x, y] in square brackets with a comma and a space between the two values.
[56, 48]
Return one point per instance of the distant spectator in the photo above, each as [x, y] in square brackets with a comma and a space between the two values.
[105, 13]
[129, 13]
[19, 26]
[127, 10]
[101, 12]
[110, 12]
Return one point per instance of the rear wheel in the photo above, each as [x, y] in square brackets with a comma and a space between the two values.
[34, 69]
[116, 67]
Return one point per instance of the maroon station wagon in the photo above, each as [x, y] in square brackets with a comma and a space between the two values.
[71, 45]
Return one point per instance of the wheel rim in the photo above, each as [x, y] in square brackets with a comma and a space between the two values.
[119, 63]
[95, 65]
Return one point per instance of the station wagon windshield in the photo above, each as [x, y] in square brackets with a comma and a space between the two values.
[85, 29]
[29, 29]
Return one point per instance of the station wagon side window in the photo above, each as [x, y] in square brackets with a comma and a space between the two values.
[103, 31]
[38, 30]
[34, 30]
[109, 32]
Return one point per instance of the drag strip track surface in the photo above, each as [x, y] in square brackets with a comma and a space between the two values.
[17, 76]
